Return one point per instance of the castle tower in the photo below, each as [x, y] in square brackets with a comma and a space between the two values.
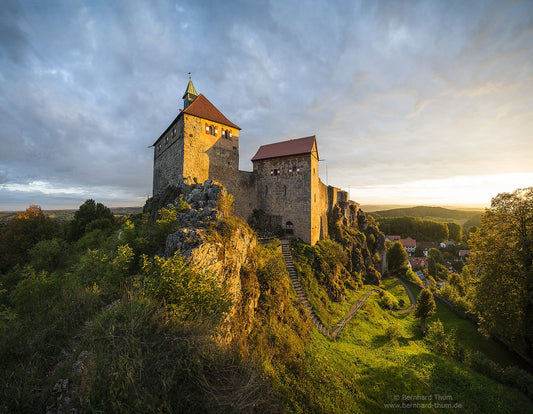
[288, 187]
[200, 144]
[190, 94]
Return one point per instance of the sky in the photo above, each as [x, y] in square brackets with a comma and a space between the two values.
[412, 102]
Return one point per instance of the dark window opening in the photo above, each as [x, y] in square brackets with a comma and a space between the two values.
[284, 191]
[289, 227]
[266, 189]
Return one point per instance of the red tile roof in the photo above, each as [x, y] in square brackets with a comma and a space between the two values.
[202, 108]
[408, 242]
[298, 146]
[419, 261]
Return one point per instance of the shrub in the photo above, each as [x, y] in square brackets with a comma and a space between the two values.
[109, 270]
[441, 342]
[519, 378]
[47, 254]
[388, 301]
[188, 293]
[392, 333]
[486, 366]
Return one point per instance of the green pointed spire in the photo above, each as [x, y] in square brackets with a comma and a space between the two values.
[190, 94]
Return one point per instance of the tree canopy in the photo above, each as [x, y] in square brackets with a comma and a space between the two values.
[90, 216]
[425, 307]
[397, 257]
[502, 255]
[22, 233]
[421, 230]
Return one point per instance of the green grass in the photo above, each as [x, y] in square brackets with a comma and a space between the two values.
[363, 370]
[328, 311]
[394, 287]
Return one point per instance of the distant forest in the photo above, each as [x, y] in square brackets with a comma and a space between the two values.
[68, 214]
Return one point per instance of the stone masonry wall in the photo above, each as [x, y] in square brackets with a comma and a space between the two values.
[209, 156]
[286, 194]
[168, 157]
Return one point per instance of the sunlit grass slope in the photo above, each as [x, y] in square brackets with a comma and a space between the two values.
[368, 368]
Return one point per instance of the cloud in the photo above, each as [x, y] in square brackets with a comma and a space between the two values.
[394, 91]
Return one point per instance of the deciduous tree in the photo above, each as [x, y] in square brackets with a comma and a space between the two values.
[397, 257]
[502, 256]
[425, 307]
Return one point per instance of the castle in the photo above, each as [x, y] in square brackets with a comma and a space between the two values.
[201, 143]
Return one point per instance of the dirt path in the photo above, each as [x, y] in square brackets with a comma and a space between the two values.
[411, 298]
[337, 328]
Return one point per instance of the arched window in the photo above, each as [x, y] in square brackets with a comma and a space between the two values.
[211, 130]
[289, 227]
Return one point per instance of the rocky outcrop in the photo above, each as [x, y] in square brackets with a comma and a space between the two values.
[219, 245]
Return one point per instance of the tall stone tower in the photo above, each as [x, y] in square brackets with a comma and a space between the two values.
[200, 143]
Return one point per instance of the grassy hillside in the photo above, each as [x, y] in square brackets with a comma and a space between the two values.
[381, 358]
[433, 213]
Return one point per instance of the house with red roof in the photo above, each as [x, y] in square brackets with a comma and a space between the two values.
[201, 143]
[409, 245]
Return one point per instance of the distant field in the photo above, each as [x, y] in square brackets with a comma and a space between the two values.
[68, 214]
[470, 216]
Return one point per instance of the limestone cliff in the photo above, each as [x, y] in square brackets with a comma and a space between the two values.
[361, 238]
[216, 242]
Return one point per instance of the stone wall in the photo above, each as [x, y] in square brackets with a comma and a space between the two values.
[209, 156]
[243, 186]
[168, 157]
[283, 187]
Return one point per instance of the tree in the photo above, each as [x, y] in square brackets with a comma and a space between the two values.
[22, 233]
[425, 307]
[90, 216]
[455, 231]
[432, 267]
[419, 252]
[458, 284]
[502, 256]
[436, 254]
[397, 258]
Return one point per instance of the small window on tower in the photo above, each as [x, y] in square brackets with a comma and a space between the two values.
[166, 139]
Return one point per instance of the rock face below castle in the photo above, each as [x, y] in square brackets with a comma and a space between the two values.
[201, 144]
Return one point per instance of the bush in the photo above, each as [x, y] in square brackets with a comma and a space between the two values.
[520, 379]
[109, 270]
[47, 254]
[388, 301]
[441, 342]
[487, 367]
[392, 333]
[189, 294]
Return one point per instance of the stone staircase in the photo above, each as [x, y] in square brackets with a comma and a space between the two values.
[285, 249]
